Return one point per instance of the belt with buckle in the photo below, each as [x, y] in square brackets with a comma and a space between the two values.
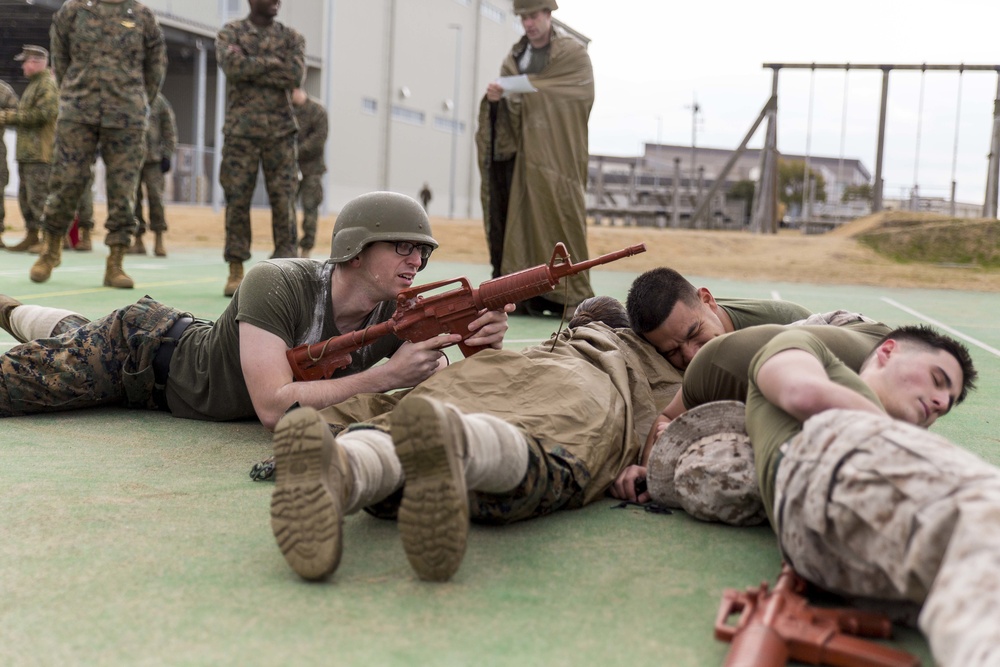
[161, 360]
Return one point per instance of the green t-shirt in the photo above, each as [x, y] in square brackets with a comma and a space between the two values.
[289, 298]
[754, 312]
[719, 371]
[769, 426]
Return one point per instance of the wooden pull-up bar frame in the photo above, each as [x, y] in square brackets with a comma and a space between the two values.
[765, 205]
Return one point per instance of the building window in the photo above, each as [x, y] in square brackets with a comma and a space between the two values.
[411, 116]
[448, 125]
[235, 8]
[369, 106]
[464, 3]
[492, 12]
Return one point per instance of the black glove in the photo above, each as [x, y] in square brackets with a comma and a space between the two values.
[165, 165]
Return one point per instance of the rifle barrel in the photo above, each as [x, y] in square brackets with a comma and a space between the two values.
[605, 259]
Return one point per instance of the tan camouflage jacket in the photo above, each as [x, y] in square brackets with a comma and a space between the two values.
[261, 70]
[313, 128]
[109, 60]
[35, 119]
[161, 137]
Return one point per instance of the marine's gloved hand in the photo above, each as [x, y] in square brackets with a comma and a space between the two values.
[165, 165]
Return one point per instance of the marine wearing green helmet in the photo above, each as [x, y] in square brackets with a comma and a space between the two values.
[532, 6]
[379, 216]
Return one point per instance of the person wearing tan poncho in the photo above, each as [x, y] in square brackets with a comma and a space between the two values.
[533, 155]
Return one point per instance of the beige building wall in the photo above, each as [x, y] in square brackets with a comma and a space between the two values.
[386, 70]
[393, 86]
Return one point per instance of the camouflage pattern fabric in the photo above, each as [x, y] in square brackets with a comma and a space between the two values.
[238, 176]
[85, 206]
[8, 100]
[262, 66]
[31, 193]
[313, 131]
[874, 507]
[551, 483]
[35, 119]
[103, 362]
[109, 59]
[161, 142]
[311, 196]
[76, 145]
[161, 137]
[152, 177]
[555, 481]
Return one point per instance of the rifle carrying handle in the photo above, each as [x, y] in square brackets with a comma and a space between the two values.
[757, 645]
[733, 602]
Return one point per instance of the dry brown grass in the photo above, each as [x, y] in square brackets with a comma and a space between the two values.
[790, 256]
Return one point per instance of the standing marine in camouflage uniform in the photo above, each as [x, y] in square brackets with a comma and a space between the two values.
[8, 100]
[109, 58]
[313, 128]
[161, 141]
[35, 120]
[263, 61]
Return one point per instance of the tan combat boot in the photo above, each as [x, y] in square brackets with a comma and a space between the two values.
[84, 244]
[235, 278]
[159, 249]
[434, 513]
[30, 239]
[114, 274]
[138, 247]
[313, 483]
[50, 258]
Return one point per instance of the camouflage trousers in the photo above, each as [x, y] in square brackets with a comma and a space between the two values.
[31, 192]
[873, 507]
[241, 158]
[85, 207]
[103, 362]
[555, 480]
[153, 179]
[76, 148]
[310, 195]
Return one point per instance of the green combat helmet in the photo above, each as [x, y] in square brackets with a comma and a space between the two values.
[379, 216]
[532, 6]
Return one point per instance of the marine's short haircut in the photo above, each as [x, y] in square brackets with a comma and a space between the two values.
[653, 295]
[931, 339]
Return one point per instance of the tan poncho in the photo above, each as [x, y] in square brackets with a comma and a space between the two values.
[547, 131]
[595, 395]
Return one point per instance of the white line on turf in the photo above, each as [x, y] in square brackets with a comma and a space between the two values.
[942, 325]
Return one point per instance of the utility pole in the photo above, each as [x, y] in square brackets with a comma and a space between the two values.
[695, 110]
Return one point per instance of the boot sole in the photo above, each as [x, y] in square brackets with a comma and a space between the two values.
[434, 513]
[306, 518]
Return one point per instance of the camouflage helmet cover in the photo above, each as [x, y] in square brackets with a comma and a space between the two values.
[379, 216]
[532, 6]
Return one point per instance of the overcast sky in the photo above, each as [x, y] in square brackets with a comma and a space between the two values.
[652, 58]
